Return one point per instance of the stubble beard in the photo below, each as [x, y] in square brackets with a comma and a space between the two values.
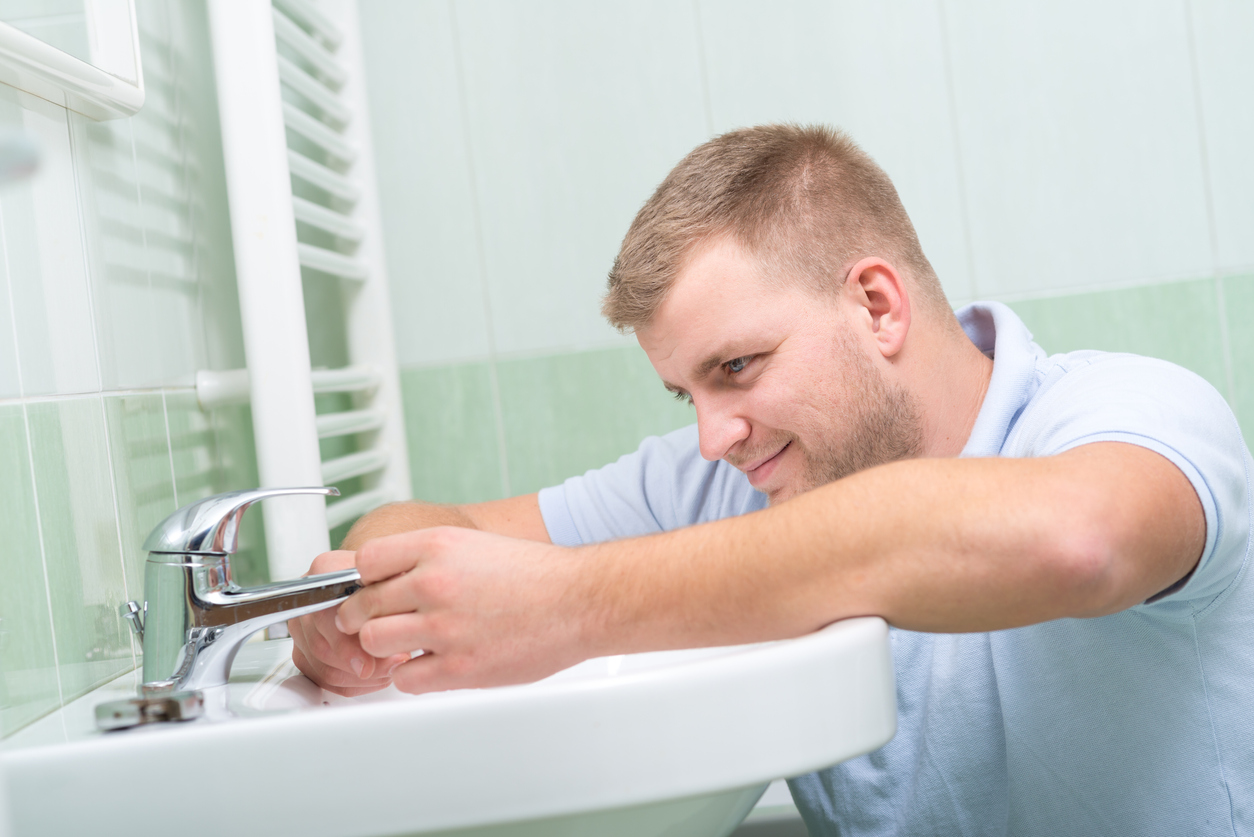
[883, 425]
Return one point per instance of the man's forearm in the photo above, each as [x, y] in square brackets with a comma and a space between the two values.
[947, 545]
[395, 518]
[516, 517]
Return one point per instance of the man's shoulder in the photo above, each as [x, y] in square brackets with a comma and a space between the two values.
[1092, 380]
[1099, 362]
[1095, 392]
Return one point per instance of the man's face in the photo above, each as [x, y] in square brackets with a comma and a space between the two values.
[785, 388]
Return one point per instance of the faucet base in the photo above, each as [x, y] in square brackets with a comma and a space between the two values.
[172, 706]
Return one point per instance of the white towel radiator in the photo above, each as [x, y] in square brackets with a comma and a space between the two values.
[292, 101]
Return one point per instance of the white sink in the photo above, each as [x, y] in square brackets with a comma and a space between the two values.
[669, 743]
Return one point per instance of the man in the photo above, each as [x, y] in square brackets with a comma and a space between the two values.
[1059, 542]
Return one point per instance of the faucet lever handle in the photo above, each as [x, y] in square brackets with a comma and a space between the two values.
[211, 526]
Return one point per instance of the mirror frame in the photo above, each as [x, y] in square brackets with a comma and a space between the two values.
[29, 64]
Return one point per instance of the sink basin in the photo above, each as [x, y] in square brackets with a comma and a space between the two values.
[668, 743]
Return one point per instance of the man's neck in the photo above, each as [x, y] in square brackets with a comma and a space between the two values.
[952, 382]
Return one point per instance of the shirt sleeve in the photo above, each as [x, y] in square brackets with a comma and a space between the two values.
[663, 485]
[1169, 410]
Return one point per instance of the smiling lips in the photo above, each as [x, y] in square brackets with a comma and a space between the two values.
[759, 473]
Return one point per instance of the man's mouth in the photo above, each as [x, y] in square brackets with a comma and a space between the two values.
[759, 473]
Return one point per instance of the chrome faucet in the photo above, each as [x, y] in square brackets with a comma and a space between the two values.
[195, 618]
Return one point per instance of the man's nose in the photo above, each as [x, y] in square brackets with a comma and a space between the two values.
[719, 427]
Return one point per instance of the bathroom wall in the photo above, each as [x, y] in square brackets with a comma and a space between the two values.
[1085, 162]
[116, 284]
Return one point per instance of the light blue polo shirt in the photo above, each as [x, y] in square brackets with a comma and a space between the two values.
[1139, 723]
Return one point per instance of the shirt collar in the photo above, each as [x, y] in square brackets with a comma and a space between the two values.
[999, 333]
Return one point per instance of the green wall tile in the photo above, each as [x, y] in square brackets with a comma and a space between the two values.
[80, 537]
[1239, 310]
[1178, 321]
[141, 470]
[567, 413]
[450, 427]
[193, 448]
[28, 674]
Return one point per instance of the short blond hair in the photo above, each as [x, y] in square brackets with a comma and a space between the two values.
[804, 200]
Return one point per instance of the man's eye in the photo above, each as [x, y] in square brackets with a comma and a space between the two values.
[682, 396]
[739, 364]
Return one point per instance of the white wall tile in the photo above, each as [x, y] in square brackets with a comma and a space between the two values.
[425, 192]
[10, 383]
[577, 112]
[875, 70]
[201, 144]
[44, 249]
[117, 260]
[1224, 34]
[1079, 143]
[166, 205]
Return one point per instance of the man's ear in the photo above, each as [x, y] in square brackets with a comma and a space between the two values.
[878, 290]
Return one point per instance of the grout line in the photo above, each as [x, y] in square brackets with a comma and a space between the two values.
[523, 355]
[176, 83]
[477, 214]
[499, 415]
[82, 237]
[30, 460]
[43, 560]
[8, 285]
[143, 234]
[117, 518]
[50, 19]
[1225, 343]
[705, 70]
[169, 447]
[1212, 226]
[1203, 153]
[70, 396]
[77, 156]
[1130, 284]
[951, 95]
[88, 268]
[1026, 296]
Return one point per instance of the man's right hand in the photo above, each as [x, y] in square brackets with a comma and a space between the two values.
[332, 659]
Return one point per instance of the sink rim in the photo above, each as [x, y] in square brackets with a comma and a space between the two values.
[564, 722]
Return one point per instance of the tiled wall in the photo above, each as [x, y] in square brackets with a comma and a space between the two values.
[1087, 162]
[116, 284]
